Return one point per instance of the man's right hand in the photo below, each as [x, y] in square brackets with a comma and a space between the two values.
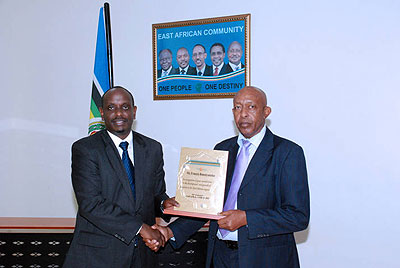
[164, 230]
[152, 237]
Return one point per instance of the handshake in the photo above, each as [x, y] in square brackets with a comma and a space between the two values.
[156, 236]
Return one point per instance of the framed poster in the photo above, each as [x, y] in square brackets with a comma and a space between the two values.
[206, 58]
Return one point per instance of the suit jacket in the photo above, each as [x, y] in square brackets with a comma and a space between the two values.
[229, 68]
[226, 68]
[173, 71]
[108, 217]
[274, 193]
[208, 71]
[190, 71]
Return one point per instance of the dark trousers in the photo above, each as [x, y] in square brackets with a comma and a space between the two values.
[225, 257]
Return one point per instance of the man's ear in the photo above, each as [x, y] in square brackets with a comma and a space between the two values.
[101, 112]
[267, 111]
[134, 112]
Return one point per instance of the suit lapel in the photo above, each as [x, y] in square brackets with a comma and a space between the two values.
[260, 158]
[140, 157]
[116, 163]
[233, 150]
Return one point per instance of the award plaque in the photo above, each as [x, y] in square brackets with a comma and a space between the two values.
[201, 183]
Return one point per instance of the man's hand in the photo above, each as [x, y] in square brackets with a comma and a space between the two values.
[152, 237]
[164, 230]
[233, 220]
[170, 203]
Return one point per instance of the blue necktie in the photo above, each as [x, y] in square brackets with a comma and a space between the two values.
[130, 170]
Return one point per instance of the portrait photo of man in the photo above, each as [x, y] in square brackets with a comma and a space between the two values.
[235, 53]
[165, 59]
[199, 56]
[217, 52]
[183, 58]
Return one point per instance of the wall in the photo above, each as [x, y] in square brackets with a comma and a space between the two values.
[330, 69]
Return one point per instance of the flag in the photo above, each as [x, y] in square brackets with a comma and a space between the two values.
[101, 77]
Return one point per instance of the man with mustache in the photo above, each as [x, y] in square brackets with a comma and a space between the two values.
[217, 52]
[235, 55]
[118, 179]
[183, 58]
[266, 195]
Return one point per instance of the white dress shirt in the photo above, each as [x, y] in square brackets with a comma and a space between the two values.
[219, 68]
[165, 73]
[255, 142]
[117, 140]
[202, 70]
[236, 67]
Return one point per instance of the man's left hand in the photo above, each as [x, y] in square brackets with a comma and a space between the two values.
[170, 203]
[233, 220]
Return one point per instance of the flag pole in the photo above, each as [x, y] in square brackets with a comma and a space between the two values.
[108, 42]
[103, 69]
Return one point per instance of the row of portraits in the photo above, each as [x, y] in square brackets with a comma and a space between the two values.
[219, 65]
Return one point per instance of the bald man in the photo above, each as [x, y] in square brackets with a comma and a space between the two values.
[165, 59]
[266, 195]
[235, 53]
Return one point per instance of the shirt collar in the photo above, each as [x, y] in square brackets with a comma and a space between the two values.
[219, 66]
[167, 71]
[202, 69]
[117, 140]
[233, 66]
[255, 140]
[186, 69]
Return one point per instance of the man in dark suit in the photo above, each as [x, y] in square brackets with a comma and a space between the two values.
[118, 177]
[183, 58]
[199, 56]
[235, 53]
[165, 58]
[217, 52]
[266, 195]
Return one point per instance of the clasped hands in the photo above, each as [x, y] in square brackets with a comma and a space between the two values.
[233, 220]
[156, 236]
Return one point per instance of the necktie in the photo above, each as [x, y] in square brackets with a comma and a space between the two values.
[199, 73]
[130, 170]
[216, 71]
[182, 71]
[240, 168]
[236, 68]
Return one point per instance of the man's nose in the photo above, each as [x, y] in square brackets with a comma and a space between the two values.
[244, 112]
[118, 111]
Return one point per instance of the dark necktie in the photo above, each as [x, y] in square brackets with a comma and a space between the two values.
[130, 170]
[199, 73]
[216, 71]
[237, 177]
[182, 71]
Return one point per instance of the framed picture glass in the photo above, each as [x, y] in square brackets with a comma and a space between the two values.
[206, 58]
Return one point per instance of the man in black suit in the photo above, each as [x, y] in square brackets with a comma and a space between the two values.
[235, 53]
[266, 195]
[118, 178]
[165, 58]
[217, 52]
[199, 56]
[183, 58]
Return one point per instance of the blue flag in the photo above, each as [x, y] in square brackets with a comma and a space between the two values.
[101, 82]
